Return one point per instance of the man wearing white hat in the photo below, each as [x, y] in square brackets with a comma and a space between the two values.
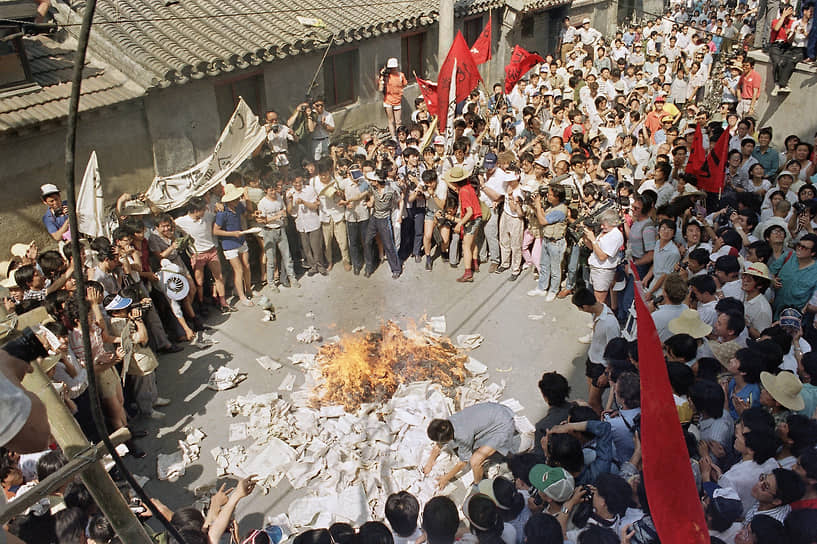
[392, 83]
[55, 218]
[589, 36]
[755, 281]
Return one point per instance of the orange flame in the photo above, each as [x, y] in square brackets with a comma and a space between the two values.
[368, 367]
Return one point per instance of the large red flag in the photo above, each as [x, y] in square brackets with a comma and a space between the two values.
[429, 91]
[467, 76]
[712, 173]
[697, 157]
[674, 504]
[521, 62]
[482, 46]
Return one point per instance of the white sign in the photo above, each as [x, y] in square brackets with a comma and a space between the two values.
[240, 138]
[90, 202]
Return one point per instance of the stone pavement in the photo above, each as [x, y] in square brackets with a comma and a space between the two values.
[517, 349]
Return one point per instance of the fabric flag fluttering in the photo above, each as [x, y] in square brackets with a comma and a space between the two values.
[429, 92]
[712, 172]
[481, 50]
[467, 76]
[90, 202]
[674, 504]
[238, 140]
[521, 62]
[697, 157]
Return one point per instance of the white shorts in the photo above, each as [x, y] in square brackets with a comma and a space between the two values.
[390, 107]
[231, 254]
[602, 278]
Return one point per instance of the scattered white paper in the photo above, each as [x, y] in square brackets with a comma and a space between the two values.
[475, 367]
[469, 341]
[287, 384]
[225, 378]
[513, 404]
[269, 364]
[238, 431]
[308, 335]
[523, 424]
[535, 317]
[358, 329]
[170, 467]
[437, 324]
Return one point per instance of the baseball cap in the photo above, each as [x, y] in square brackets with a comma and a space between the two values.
[500, 490]
[555, 482]
[49, 189]
[490, 160]
[20, 250]
[391, 63]
[439, 140]
[118, 303]
[585, 21]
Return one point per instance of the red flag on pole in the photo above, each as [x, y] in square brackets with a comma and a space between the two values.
[674, 504]
[482, 46]
[712, 174]
[521, 62]
[697, 157]
[429, 91]
[467, 76]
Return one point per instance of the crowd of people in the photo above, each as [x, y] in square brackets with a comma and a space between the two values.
[562, 183]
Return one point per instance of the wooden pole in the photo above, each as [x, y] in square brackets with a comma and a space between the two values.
[66, 431]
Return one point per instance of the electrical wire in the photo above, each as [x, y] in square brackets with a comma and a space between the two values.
[70, 181]
[223, 15]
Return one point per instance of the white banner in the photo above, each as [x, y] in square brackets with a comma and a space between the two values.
[240, 138]
[90, 202]
[451, 112]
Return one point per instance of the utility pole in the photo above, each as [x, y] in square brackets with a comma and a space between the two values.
[445, 34]
[66, 431]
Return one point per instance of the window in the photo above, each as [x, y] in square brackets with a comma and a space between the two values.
[249, 87]
[471, 30]
[340, 72]
[412, 48]
[527, 26]
[14, 69]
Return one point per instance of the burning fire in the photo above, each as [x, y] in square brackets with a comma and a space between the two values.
[368, 367]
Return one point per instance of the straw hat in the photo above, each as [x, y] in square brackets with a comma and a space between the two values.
[4, 269]
[784, 388]
[759, 270]
[20, 250]
[231, 192]
[689, 322]
[724, 351]
[456, 174]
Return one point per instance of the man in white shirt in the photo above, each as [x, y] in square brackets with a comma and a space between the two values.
[494, 184]
[198, 224]
[332, 215]
[511, 227]
[320, 124]
[271, 214]
[303, 205]
[278, 138]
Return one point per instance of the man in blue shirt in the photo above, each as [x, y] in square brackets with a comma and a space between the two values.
[56, 216]
[796, 278]
[228, 228]
[764, 154]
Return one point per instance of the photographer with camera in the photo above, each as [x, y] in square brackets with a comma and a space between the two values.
[553, 221]
[278, 138]
[55, 218]
[391, 83]
[319, 124]
[384, 197]
[512, 226]
[409, 175]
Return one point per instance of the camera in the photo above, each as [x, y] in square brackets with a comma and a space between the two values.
[145, 306]
[26, 347]
[275, 128]
[59, 211]
[800, 208]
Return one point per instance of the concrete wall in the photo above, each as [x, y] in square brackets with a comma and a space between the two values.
[121, 141]
[183, 125]
[791, 113]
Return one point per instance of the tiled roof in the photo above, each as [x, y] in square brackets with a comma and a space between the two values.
[51, 64]
[163, 45]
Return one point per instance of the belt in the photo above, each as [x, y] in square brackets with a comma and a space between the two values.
[324, 138]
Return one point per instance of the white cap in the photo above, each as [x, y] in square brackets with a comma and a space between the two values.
[585, 21]
[49, 189]
[439, 140]
[391, 63]
[371, 176]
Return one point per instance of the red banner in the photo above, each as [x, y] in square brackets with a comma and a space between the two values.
[467, 76]
[674, 504]
[429, 91]
[521, 62]
[712, 173]
[482, 46]
[697, 157]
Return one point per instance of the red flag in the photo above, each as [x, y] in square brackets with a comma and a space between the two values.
[712, 173]
[429, 90]
[467, 76]
[697, 157]
[482, 46]
[521, 62]
[674, 504]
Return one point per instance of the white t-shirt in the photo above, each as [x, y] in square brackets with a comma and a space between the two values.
[610, 243]
[498, 182]
[758, 313]
[200, 231]
[516, 194]
[329, 206]
[321, 133]
[270, 208]
[306, 220]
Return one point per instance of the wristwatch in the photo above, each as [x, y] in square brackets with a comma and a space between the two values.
[565, 510]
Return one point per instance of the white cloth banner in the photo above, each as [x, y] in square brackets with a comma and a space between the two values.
[240, 138]
[90, 202]
[452, 110]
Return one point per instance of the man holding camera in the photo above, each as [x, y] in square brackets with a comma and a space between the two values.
[383, 198]
[278, 138]
[320, 124]
[554, 244]
[55, 218]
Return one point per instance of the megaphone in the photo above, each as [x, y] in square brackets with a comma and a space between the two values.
[175, 285]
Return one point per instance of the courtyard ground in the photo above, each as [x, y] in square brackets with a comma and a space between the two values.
[516, 349]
